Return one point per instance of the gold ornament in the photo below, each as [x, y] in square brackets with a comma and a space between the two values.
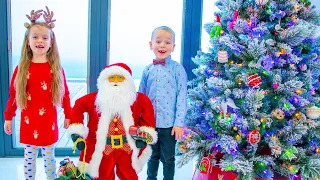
[239, 81]
[238, 137]
[297, 7]
[278, 114]
[296, 117]
[294, 18]
[290, 167]
[231, 62]
[264, 119]
[281, 52]
[299, 91]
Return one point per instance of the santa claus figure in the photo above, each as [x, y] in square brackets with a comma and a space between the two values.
[120, 128]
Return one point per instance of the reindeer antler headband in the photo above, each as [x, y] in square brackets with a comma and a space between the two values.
[35, 15]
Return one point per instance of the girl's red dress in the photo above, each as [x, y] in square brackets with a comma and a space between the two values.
[38, 125]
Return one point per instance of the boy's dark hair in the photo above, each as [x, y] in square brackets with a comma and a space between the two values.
[164, 28]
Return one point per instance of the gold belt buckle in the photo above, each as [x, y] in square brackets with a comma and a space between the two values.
[114, 138]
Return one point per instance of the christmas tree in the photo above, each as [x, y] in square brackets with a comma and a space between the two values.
[254, 103]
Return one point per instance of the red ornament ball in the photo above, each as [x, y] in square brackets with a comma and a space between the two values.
[254, 81]
[254, 137]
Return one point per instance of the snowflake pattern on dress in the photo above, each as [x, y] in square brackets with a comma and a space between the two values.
[53, 127]
[44, 85]
[28, 76]
[29, 96]
[42, 111]
[35, 134]
[26, 119]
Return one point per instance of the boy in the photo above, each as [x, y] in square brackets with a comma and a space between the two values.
[165, 83]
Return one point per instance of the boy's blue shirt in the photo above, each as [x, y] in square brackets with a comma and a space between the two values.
[166, 86]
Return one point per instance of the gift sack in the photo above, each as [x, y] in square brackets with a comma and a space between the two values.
[68, 171]
[217, 174]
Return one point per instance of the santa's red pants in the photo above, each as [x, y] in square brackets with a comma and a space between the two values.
[122, 161]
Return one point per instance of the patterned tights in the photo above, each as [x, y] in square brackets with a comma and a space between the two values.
[30, 156]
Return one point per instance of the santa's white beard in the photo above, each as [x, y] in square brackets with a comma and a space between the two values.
[115, 99]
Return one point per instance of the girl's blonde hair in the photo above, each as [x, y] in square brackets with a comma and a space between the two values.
[57, 84]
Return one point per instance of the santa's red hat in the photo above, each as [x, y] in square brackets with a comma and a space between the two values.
[115, 69]
[121, 65]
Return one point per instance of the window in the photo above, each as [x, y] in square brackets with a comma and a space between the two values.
[130, 32]
[71, 30]
[207, 16]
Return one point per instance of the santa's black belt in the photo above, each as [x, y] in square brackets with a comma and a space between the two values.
[116, 141]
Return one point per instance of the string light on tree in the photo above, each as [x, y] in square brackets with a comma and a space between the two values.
[299, 91]
[275, 86]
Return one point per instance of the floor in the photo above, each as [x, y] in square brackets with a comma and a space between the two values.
[12, 169]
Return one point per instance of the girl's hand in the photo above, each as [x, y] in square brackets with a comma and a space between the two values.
[66, 123]
[8, 127]
[178, 131]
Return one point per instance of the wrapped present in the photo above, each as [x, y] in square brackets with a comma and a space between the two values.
[215, 173]
[138, 134]
[68, 171]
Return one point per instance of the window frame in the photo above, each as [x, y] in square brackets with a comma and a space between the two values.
[4, 73]
[191, 34]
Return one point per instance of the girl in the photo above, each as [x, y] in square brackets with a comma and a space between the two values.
[37, 87]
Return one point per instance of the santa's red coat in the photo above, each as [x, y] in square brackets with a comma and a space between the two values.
[141, 114]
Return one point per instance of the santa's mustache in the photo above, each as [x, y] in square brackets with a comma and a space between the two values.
[115, 83]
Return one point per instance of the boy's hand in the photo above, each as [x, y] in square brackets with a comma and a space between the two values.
[178, 131]
[66, 123]
[8, 127]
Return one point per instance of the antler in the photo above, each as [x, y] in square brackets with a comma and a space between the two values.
[34, 15]
[48, 17]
